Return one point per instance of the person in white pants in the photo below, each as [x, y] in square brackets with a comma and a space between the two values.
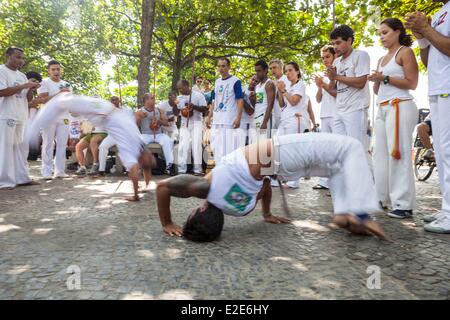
[295, 105]
[249, 109]
[348, 76]
[191, 106]
[15, 93]
[168, 107]
[226, 112]
[58, 132]
[118, 123]
[397, 115]
[235, 185]
[150, 119]
[263, 100]
[434, 43]
[327, 99]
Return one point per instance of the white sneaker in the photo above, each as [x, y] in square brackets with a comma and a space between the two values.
[432, 217]
[293, 184]
[441, 225]
[274, 182]
[62, 175]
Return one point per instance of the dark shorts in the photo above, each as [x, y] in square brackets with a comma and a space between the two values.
[428, 122]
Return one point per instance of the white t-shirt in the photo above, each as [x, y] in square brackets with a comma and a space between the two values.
[167, 108]
[225, 100]
[14, 107]
[276, 105]
[52, 88]
[351, 99]
[328, 104]
[288, 111]
[197, 99]
[438, 62]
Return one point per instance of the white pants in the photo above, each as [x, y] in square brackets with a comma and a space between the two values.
[59, 133]
[440, 120]
[336, 157]
[292, 126]
[394, 179]
[103, 151]
[225, 139]
[190, 139]
[13, 165]
[165, 142]
[352, 124]
[326, 125]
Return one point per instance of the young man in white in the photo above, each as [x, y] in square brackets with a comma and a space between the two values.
[434, 43]
[108, 142]
[15, 93]
[277, 69]
[58, 132]
[118, 123]
[168, 107]
[348, 76]
[263, 101]
[327, 99]
[226, 112]
[191, 106]
[150, 120]
[235, 185]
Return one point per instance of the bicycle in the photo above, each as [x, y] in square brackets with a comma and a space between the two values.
[423, 166]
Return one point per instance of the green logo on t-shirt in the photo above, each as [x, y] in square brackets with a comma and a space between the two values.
[259, 97]
[237, 198]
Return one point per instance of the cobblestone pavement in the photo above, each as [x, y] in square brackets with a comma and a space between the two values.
[123, 254]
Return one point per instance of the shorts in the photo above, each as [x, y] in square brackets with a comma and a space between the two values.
[89, 136]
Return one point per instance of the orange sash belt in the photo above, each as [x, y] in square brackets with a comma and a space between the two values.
[395, 103]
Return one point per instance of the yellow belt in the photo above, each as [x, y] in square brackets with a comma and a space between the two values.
[395, 103]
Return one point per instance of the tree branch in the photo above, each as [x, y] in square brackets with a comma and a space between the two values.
[126, 15]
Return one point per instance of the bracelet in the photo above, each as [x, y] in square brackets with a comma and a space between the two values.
[423, 43]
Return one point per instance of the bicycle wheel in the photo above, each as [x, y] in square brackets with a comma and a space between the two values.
[422, 168]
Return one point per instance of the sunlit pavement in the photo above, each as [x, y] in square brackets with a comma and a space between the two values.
[76, 238]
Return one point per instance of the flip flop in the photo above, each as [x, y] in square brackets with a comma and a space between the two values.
[320, 187]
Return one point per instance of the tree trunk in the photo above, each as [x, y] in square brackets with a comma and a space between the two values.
[148, 15]
[177, 63]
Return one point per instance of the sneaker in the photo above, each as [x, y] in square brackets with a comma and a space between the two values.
[81, 171]
[293, 184]
[274, 183]
[94, 169]
[62, 175]
[432, 217]
[441, 225]
[400, 214]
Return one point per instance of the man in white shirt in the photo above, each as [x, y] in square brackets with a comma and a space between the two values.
[58, 132]
[434, 43]
[327, 98]
[277, 69]
[168, 107]
[191, 106]
[15, 93]
[348, 76]
[226, 112]
[263, 102]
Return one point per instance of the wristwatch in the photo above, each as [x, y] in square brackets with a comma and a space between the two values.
[386, 80]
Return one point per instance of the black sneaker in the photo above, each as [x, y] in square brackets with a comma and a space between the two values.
[400, 214]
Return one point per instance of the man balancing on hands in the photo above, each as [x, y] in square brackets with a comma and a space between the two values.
[242, 178]
[118, 123]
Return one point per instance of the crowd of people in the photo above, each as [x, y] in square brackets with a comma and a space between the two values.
[273, 104]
